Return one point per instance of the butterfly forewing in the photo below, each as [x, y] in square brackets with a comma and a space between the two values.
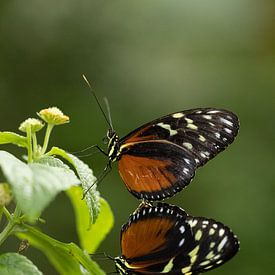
[164, 239]
[175, 145]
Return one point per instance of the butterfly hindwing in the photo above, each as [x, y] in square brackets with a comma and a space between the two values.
[153, 234]
[154, 170]
[186, 245]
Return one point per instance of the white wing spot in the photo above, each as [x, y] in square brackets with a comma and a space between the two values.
[211, 231]
[193, 223]
[211, 124]
[221, 232]
[185, 171]
[168, 267]
[192, 126]
[187, 161]
[207, 117]
[225, 121]
[212, 244]
[227, 130]
[181, 242]
[182, 229]
[188, 145]
[178, 115]
[213, 112]
[186, 270]
[198, 112]
[168, 127]
[205, 262]
[205, 222]
[222, 243]
[210, 255]
[188, 120]
[202, 138]
[203, 154]
[215, 225]
[198, 235]
[197, 160]
[217, 135]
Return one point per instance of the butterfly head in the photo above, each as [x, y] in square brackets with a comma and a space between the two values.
[113, 146]
[121, 266]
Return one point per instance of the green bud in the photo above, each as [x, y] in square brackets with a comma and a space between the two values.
[34, 123]
[53, 116]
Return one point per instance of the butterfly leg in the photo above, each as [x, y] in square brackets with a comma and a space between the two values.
[103, 174]
[144, 203]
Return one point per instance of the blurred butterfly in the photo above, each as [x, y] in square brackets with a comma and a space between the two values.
[164, 239]
[160, 158]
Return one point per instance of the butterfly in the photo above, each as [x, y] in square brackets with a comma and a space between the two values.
[160, 158]
[165, 239]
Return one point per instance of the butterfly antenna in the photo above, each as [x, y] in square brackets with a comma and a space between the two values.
[109, 111]
[97, 101]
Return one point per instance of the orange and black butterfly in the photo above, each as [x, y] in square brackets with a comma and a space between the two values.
[163, 239]
[160, 158]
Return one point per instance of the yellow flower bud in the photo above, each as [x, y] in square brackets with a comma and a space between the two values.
[53, 116]
[34, 124]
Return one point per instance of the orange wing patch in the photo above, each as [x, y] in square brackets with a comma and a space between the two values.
[141, 136]
[143, 238]
[142, 174]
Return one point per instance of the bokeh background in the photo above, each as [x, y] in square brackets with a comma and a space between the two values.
[151, 58]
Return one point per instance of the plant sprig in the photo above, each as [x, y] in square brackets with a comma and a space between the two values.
[33, 185]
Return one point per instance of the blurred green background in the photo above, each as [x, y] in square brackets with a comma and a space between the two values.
[151, 58]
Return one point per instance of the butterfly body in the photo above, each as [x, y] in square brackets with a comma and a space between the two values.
[163, 239]
[160, 158]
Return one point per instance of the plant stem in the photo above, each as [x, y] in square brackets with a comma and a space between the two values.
[7, 214]
[13, 221]
[34, 141]
[47, 137]
[29, 141]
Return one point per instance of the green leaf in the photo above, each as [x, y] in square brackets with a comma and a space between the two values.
[35, 185]
[10, 137]
[67, 258]
[87, 179]
[90, 235]
[16, 264]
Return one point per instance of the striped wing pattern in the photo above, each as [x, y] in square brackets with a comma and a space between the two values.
[160, 158]
[186, 245]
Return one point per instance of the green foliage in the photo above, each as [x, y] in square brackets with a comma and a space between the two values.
[16, 264]
[87, 179]
[90, 235]
[34, 185]
[66, 258]
[10, 137]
